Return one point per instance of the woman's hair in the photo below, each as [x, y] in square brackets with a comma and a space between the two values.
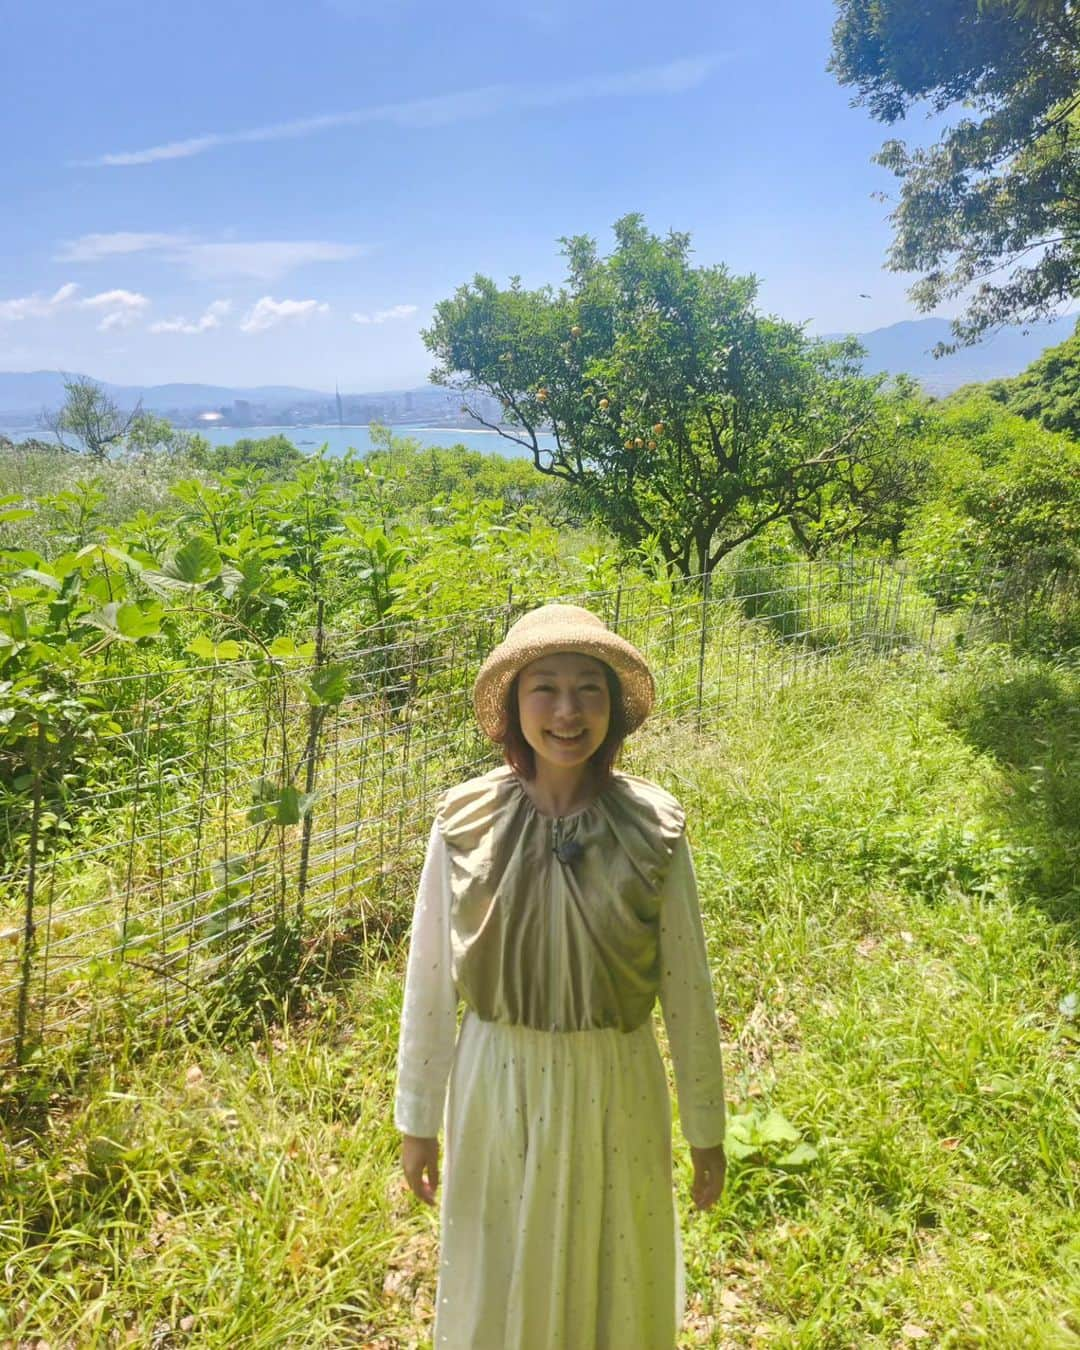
[521, 757]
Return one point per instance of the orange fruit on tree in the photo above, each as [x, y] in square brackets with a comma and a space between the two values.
[638, 442]
[542, 394]
[603, 403]
[658, 427]
[576, 330]
[652, 445]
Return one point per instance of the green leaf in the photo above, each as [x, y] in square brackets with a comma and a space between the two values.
[740, 1137]
[25, 556]
[802, 1155]
[201, 646]
[232, 875]
[118, 555]
[264, 799]
[288, 807]
[231, 579]
[13, 622]
[134, 934]
[204, 647]
[197, 562]
[127, 620]
[42, 578]
[775, 1129]
[190, 568]
[739, 1148]
[280, 806]
[140, 620]
[327, 686]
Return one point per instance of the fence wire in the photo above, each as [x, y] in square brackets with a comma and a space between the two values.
[226, 811]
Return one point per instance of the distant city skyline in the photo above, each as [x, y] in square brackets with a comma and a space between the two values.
[285, 201]
[903, 347]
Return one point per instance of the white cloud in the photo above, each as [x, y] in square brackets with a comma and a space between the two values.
[268, 312]
[381, 315]
[673, 77]
[207, 260]
[119, 309]
[37, 306]
[210, 318]
[94, 247]
[263, 259]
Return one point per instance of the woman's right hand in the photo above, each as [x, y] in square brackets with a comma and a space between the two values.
[420, 1159]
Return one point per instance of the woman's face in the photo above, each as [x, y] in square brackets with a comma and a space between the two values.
[564, 707]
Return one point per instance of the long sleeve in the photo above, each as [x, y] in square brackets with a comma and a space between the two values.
[429, 1011]
[686, 998]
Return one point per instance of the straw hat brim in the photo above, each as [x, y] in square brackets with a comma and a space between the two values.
[592, 638]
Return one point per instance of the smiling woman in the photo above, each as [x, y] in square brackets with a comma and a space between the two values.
[558, 902]
[565, 728]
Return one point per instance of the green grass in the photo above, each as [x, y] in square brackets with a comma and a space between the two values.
[890, 871]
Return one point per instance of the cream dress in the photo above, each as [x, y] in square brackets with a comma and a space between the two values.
[558, 1228]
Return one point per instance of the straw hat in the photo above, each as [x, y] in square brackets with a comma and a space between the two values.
[560, 628]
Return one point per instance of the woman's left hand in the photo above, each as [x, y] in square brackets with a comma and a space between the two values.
[710, 1168]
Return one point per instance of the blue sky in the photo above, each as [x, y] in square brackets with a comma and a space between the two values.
[252, 191]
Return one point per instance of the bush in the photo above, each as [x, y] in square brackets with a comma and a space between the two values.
[1001, 524]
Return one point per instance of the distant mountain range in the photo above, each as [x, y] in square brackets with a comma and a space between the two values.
[901, 347]
[905, 348]
[39, 389]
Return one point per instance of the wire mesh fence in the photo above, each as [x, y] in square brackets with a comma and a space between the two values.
[238, 810]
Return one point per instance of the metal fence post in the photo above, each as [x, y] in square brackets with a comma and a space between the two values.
[316, 716]
[28, 932]
[702, 642]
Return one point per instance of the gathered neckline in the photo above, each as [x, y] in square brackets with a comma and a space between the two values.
[570, 815]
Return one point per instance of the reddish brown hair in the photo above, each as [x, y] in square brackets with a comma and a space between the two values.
[521, 757]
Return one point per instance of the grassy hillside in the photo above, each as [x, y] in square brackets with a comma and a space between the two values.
[890, 871]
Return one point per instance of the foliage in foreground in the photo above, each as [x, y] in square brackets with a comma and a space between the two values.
[988, 211]
[889, 872]
[226, 567]
[998, 519]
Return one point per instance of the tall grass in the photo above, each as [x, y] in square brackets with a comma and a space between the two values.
[889, 870]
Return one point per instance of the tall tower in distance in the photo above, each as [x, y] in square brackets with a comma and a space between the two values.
[340, 413]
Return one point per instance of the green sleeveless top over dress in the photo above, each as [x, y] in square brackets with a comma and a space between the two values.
[559, 935]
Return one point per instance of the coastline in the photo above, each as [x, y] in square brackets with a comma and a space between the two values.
[339, 440]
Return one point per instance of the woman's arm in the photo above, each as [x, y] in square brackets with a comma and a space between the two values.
[429, 1010]
[686, 998]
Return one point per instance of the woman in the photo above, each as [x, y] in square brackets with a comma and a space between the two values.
[558, 901]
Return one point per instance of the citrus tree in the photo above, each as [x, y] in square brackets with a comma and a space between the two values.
[678, 412]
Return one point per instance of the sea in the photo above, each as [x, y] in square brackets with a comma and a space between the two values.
[339, 439]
